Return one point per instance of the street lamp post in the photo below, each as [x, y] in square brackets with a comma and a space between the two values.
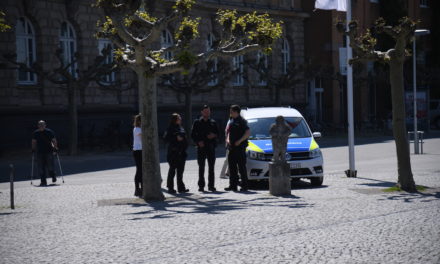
[418, 32]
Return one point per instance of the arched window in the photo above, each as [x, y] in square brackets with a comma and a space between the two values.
[213, 66]
[25, 47]
[68, 47]
[166, 41]
[285, 51]
[237, 65]
[104, 44]
[262, 62]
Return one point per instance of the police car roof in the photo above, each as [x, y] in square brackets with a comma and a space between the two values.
[269, 112]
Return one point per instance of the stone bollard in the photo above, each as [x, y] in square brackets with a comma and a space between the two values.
[279, 178]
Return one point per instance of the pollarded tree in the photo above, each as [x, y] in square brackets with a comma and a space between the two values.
[74, 80]
[364, 49]
[136, 32]
[201, 79]
[3, 25]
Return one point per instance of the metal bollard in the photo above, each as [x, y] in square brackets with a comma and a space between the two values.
[421, 140]
[11, 178]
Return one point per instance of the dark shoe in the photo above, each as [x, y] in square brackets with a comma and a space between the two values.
[54, 179]
[228, 189]
[201, 189]
[184, 191]
[138, 193]
[172, 191]
[244, 189]
[43, 184]
[212, 189]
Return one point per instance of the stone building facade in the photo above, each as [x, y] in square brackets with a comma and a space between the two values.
[40, 27]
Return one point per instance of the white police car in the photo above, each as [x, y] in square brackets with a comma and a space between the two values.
[303, 153]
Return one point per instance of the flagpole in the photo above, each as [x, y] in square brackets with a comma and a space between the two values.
[351, 172]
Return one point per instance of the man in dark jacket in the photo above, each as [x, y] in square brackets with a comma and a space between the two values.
[237, 141]
[45, 143]
[204, 134]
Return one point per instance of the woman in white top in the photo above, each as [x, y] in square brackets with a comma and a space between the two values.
[137, 154]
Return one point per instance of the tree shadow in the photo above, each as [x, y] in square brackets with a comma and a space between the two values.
[406, 197]
[377, 183]
[195, 204]
[295, 184]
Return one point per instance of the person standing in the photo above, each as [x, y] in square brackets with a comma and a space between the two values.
[237, 142]
[176, 156]
[137, 154]
[224, 173]
[46, 146]
[204, 134]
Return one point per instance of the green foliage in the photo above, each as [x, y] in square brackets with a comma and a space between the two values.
[257, 29]
[184, 5]
[186, 59]
[105, 27]
[188, 29]
[146, 16]
[3, 26]
[157, 56]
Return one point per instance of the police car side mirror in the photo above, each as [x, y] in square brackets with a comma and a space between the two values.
[316, 135]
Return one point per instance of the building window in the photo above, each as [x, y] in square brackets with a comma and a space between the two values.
[213, 63]
[262, 63]
[237, 65]
[285, 51]
[107, 44]
[166, 41]
[424, 3]
[25, 48]
[68, 47]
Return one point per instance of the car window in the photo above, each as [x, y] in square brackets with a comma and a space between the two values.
[260, 127]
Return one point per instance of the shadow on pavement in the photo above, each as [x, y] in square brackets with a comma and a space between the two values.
[411, 197]
[377, 183]
[195, 204]
[295, 184]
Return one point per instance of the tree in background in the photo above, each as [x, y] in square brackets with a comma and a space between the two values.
[276, 83]
[364, 49]
[3, 25]
[197, 81]
[132, 27]
[74, 79]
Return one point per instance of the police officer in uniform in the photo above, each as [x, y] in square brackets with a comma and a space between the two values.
[237, 142]
[204, 134]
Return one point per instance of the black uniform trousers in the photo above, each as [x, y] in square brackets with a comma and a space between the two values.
[206, 153]
[177, 166]
[45, 162]
[137, 154]
[237, 158]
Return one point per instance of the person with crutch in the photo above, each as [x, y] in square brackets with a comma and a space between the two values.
[204, 134]
[45, 145]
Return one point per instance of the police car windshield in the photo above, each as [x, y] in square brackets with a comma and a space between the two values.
[260, 127]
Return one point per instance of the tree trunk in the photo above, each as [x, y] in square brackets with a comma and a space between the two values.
[405, 178]
[277, 96]
[188, 112]
[151, 177]
[73, 118]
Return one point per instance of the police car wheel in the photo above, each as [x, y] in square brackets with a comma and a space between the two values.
[316, 181]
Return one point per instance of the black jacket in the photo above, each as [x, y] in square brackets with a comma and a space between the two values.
[175, 146]
[237, 128]
[202, 128]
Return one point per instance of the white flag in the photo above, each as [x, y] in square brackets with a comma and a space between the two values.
[340, 5]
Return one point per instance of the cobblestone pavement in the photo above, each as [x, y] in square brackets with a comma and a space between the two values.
[93, 218]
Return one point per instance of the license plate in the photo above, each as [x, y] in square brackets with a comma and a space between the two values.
[295, 165]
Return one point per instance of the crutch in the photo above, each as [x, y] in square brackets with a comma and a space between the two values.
[32, 170]
[59, 164]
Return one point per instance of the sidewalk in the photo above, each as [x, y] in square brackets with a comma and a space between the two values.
[93, 218]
